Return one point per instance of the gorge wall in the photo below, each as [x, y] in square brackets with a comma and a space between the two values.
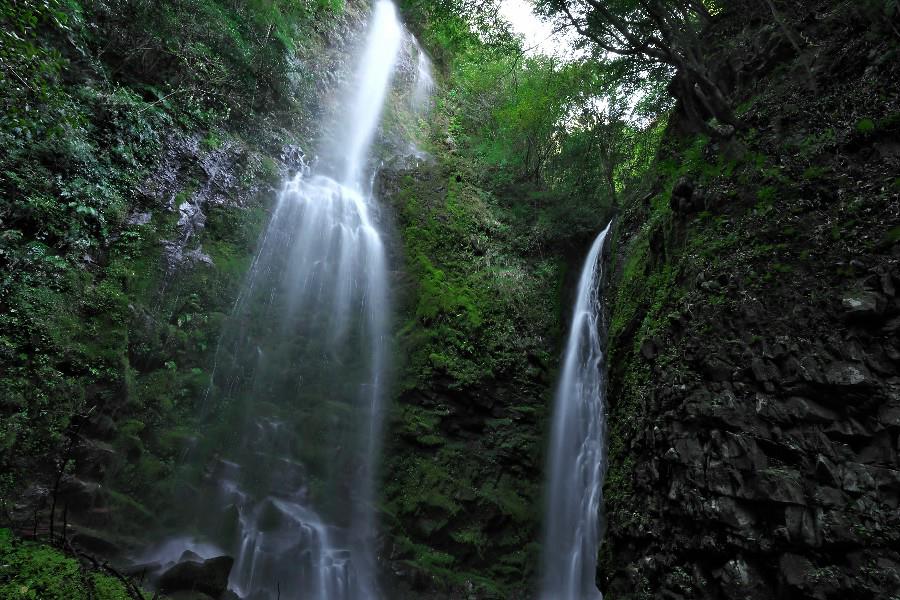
[754, 394]
[753, 347]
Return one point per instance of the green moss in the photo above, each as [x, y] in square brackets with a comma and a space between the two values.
[893, 235]
[106, 587]
[30, 571]
[815, 172]
[865, 126]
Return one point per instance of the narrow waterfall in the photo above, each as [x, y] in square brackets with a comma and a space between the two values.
[577, 452]
[287, 465]
[424, 79]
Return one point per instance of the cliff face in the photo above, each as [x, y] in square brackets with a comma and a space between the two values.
[754, 362]
[754, 358]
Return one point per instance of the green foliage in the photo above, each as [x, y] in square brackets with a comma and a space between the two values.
[30, 571]
[208, 59]
[525, 170]
[458, 253]
[91, 320]
[865, 126]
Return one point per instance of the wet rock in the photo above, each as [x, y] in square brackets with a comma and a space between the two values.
[847, 375]
[826, 472]
[863, 305]
[96, 542]
[80, 494]
[197, 256]
[739, 579]
[190, 556]
[892, 326]
[139, 218]
[208, 577]
[804, 409]
[141, 570]
[294, 158]
[93, 457]
[889, 412]
[776, 413]
[777, 486]
[796, 570]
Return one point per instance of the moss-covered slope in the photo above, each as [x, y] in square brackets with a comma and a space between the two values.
[140, 147]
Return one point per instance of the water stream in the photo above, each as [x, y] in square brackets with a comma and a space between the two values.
[577, 461]
[287, 464]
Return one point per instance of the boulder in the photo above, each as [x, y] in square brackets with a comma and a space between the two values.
[208, 577]
[862, 305]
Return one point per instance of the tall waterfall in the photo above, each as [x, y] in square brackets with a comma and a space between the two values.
[577, 453]
[296, 397]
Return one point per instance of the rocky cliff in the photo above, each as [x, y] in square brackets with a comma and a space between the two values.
[754, 360]
[754, 392]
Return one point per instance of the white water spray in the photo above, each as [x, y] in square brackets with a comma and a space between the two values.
[300, 374]
[577, 453]
[374, 76]
[424, 85]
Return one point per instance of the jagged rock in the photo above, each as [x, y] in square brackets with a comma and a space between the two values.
[847, 375]
[892, 326]
[139, 218]
[740, 579]
[190, 556]
[208, 577]
[826, 472]
[796, 570]
[294, 158]
[863, 305]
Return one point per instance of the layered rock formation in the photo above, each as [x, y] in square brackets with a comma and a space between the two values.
[755, 368]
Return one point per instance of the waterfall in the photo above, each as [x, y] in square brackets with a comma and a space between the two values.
[375, 71]
[577, 461]
[424, 79]
[289, 456]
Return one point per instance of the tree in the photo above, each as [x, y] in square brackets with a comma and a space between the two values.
[653, 33]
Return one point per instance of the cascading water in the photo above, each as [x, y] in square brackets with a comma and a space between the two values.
[424, 80]
[298, 385]
[577, 453]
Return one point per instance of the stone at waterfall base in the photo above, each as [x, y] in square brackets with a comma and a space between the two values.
[209, 577]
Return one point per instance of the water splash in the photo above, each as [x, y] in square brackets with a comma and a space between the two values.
[577, 462]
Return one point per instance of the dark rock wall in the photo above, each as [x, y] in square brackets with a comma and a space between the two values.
[755, 362]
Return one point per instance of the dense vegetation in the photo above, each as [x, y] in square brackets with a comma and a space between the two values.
[139, 143]
[524, 171]
[747, 150]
